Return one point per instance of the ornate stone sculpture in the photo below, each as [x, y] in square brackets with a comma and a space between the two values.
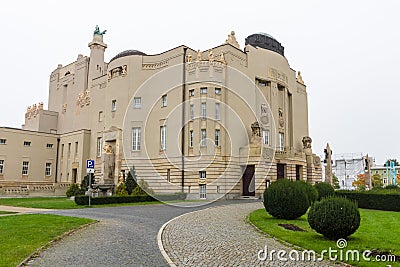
[87, 97]
[124, 70]
[222, 58]
[256, 129]
[232, 40]
[64, 108]
[306, 142]
[211, 56]
[40, 107]
[198, 58]
[189, 58]
[108, 149]
[299, 78]
[98, 32]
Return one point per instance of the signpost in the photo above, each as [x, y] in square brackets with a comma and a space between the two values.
[90, 171]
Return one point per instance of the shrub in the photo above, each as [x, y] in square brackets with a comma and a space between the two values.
[121, 190]
[334, 217]
[311, 192]
[85, 182]
[142, 189]
[324, 190]
[84, 200]
[285, 199]
[382, 199]
[130, 182]
[73, 190]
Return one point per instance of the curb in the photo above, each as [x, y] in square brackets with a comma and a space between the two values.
[38, 251]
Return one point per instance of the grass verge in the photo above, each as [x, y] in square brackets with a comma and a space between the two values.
[23, 234]
[379, 231]
[6, 212]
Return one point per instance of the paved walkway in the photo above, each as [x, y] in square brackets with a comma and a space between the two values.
[219, 236]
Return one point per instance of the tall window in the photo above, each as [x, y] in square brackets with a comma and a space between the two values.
[163, 137]
[191, 111]
[114, 105]
[76, 148]
[164, 101]
[168, 175]
[100, 116]
[265, 137]
[203, 111]
[1, 166]
[203, 90]
[137, 102]
[217, 111]
[25, 167]
[203, 137]
[202, 174]
[62, 150]
[217, 135]
[69, 149]
[136, 132]
[99, 146]
[281, 141]
[47, 171]
[191, 138]
[203, 191]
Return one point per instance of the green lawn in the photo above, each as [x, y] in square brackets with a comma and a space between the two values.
[21, 235]
[6, 212]
[379, 230]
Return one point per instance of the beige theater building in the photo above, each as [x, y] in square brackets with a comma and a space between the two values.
[221, 122]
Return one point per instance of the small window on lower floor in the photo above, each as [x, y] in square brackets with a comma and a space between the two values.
[203, 191]
[27, 143]
[49, 145]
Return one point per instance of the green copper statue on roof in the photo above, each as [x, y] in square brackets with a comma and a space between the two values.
[98, 32]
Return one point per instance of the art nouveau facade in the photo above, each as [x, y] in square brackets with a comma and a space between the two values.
[223, 121]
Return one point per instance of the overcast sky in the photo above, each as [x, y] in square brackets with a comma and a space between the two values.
[348, 53]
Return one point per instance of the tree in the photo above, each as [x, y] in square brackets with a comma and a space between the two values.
[335, 181]
[376, 180]
[142, 189]
[85, 182]
[360, 182]
[121, 190]
[396, 163]
[130, 181]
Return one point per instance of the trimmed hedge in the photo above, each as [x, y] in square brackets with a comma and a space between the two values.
[324, 190]
[376, 200]
[84, 200]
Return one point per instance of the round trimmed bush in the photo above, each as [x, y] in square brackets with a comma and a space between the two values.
[285, 199]
[73, 190]
[334, 217]
[324, 190]
[311, 192]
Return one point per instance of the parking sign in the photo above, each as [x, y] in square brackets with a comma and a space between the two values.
[90, 166]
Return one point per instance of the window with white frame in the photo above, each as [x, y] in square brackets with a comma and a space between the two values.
[191, 92]
[100, 116]
[203, 111]
[25, 167]
[191, 138]
[136, 133]
[203, 137]
[203, 90]
[27, 143]
[203, 191]
[113, 105]
[163, 137]
[99, 146]
[281, 142]
[265, 137]
[217, 91]
[3, 141]
[191, 111]
[1, 166]
[217, 136]
[164, 101]
[47, 171]
[137, 102]
[217, 115]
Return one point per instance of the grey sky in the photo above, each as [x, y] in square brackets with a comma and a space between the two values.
[347, 51]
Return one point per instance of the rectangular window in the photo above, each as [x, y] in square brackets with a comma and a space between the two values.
[137, 102]
[48, 169]
[99, 146]
[191, 111]
[3, 141]
[202, 174]
[62, 150]
[217, 91]
[69, 149]
[265, 137]
[281, 142]
[100, 116]
[49, 145]
[203, 90]
[203, 137]
[203, 111]
[114, 105]
[163, 137]
[217, 115]
[191, 92]
[25, 167]
[136, 133]
[76, 148]
[168, 175]
[27, 143]
[191, 138]
[1, 166]
[203, 191]
[164, 101]
[217, 134]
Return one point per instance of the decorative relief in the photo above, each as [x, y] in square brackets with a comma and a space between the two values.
[264, 114]
[306, 142]
[281, 120]
[301, 91]
[278, 75]
[83, 99]
[117, 72]
[33, 110]
[64, 108]
[156, 65]
[232, 40]
[189, 58]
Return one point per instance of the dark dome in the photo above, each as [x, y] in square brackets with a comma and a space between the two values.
[266, 41]
[128, 53]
